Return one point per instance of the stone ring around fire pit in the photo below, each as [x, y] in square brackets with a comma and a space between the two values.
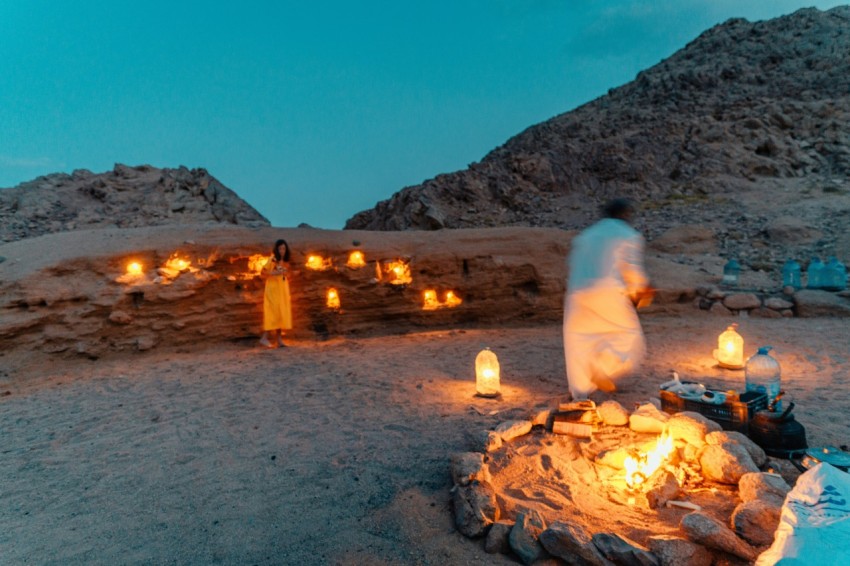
[533, 493]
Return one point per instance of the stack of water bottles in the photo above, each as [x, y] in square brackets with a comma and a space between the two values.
[829, 276]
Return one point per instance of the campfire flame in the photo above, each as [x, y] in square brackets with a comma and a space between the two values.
[134, 268]
[640, 467]
[356, 260]
[318, 263]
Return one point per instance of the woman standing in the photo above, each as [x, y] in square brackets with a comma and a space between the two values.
[277, 311]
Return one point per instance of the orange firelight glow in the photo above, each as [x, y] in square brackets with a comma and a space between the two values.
[318, 263]
[452, 300]
[333, 299]
[640, 467]
[398, 272]
[356, 260]
[177, 263]
[257, 262]
[134, 268]
[429, 300]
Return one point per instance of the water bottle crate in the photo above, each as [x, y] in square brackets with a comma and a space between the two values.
[731, 415]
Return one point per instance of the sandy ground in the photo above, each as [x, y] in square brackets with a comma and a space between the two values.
[331, 452]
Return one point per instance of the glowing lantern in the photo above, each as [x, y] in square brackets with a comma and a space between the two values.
[177, 264]
[640, 467]
[356, 260]
[318, 263]
[134, 268]
[730, 349]
[430, 301]
[452, 300]
[398, 272]
[487, 374]
[333, 298]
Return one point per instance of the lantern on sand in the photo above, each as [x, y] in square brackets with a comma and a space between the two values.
[731, 273]
[730, 348]
[487, 374]
[333, 299]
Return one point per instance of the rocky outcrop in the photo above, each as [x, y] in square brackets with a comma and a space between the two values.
[126, 197]
[742, 133]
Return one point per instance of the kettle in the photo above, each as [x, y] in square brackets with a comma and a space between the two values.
[779, 434]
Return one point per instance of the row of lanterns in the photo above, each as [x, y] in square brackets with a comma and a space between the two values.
[395, 272]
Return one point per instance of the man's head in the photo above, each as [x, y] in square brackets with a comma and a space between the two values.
[620, 208]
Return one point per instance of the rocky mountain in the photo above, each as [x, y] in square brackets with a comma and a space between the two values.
[744, 132]
[126, 197]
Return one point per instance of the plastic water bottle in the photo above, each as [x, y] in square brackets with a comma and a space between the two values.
[762, 375]
[731, 272]
[791, 274]
[814, 274]
[834, 276]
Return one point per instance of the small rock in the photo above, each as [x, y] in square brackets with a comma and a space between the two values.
[648, 418]
[525, 534]
[718, 309]
[663, 488]
[741, 301]
[491, 441]
[691, 427]
[621, 550]
[144, 343]
[120, 317]
[541, 417]
[469, 466]
[571, 542]
[814, 303]
[497, 538]
[707, 531]
[756, 521]
[755, 451]
[761, 485]
[778, 304]
[726, 463]
[509, 430]
[675, 551]
[475, 508]
[763, 312]
[613, 414]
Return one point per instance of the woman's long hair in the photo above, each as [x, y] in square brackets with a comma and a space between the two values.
[276, 251]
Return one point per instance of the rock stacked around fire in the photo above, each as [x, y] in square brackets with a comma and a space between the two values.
[703, 452]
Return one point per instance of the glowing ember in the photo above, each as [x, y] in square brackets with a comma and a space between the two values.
[452, 300]
[640, 468]
[398, 272]
[134, 268]
[333, 299]
[356, 260]
[430, 301]
[177, 263]
[318, 263]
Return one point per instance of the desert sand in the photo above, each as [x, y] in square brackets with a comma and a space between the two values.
[324, 452]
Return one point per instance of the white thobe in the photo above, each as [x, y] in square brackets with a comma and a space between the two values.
[602, 333]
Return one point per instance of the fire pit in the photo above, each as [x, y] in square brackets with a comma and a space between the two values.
[640, 482]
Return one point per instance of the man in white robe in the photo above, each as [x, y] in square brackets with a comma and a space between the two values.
[603, 340]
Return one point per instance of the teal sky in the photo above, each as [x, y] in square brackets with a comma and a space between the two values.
[313, 111]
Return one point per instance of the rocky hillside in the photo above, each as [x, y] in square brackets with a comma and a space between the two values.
[126, 197]
[743, 132]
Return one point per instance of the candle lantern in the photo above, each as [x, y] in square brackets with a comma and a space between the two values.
[731, 273]
[333, 299]
[487, 374]
[356, 260]
[730, 349]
